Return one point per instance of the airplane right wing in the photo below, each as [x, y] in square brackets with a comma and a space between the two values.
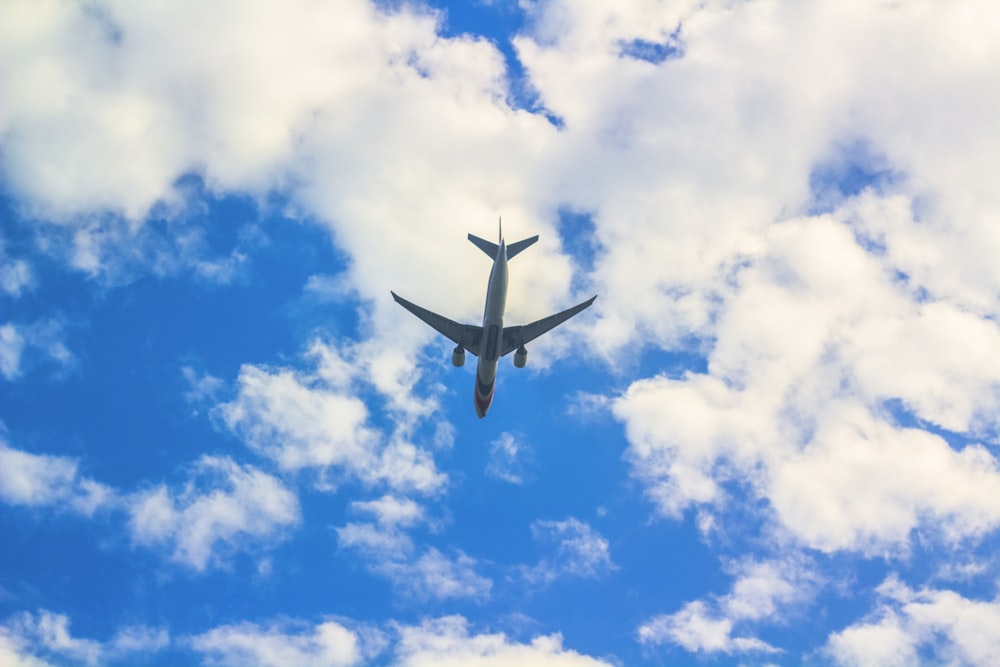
[468, 336]
[515, 337]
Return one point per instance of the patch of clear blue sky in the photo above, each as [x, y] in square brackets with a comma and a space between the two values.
[672, 47]
[852, 166]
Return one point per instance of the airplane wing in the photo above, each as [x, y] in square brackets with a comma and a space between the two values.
[468, 336]
[515, 337]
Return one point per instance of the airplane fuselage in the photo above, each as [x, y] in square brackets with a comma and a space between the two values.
[496, 302]
[492, 340]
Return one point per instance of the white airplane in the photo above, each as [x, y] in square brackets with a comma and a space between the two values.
[499, 340]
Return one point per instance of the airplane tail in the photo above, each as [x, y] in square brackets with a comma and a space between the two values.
[492, 249]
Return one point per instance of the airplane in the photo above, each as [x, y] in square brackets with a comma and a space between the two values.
[498, 340]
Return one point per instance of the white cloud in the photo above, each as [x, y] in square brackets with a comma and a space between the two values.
[580, 551]
[389, 551]
[318, 421]
[34, 639]
[509, 459]
[50, 632]
[40, 480]
[696, 629]
[436, 576]
[13, 654]
[836, 494]
[764, 591]
[15, 275]
[11, 348]
[815, 343]
[23, 346]
[447, 642]
[907, 623]
[139, 639]
[224, 507]
[391, 511]
[327, 644]
[384, 540]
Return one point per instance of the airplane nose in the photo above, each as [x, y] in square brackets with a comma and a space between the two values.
[482, 404]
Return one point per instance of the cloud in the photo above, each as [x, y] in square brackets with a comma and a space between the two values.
[509, 457]
[866, 313]
[319, 421]
[437, 576]
[389, 551]
[12, 654]
[906, 624]
[580, 551]
[447, 642]
[16, 275]
[24, 346]
[696, 629]
[384, 540]
[40, 480]
[225, 506]
[33, 639]
[763, 591]
[326, 644]
[812, 351]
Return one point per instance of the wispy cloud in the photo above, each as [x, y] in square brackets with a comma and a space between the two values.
[578, 551]
[32, 639]
[24, 346]
[389, 551]
[223, 507]
[510, 459]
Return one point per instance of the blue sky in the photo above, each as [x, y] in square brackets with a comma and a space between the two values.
[773, 440]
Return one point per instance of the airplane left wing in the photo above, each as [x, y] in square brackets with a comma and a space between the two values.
[515, 337]
[468, 336]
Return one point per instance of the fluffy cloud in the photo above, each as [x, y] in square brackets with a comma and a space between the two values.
[225, 506]
[318, 421]
[763, 591]
[39, 480]
[811, 351]
[907, 624]
[696, 629]
[708, 175]
[327, 644]
[447, 641]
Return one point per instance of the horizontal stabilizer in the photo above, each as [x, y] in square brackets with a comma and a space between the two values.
[515, 248]
[491, 248]
[488, 247]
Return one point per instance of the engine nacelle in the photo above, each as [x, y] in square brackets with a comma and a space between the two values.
[520, 357]
[458, 356]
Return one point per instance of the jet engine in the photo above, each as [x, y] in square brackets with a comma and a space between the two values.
[520, 357]
[458, 356]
